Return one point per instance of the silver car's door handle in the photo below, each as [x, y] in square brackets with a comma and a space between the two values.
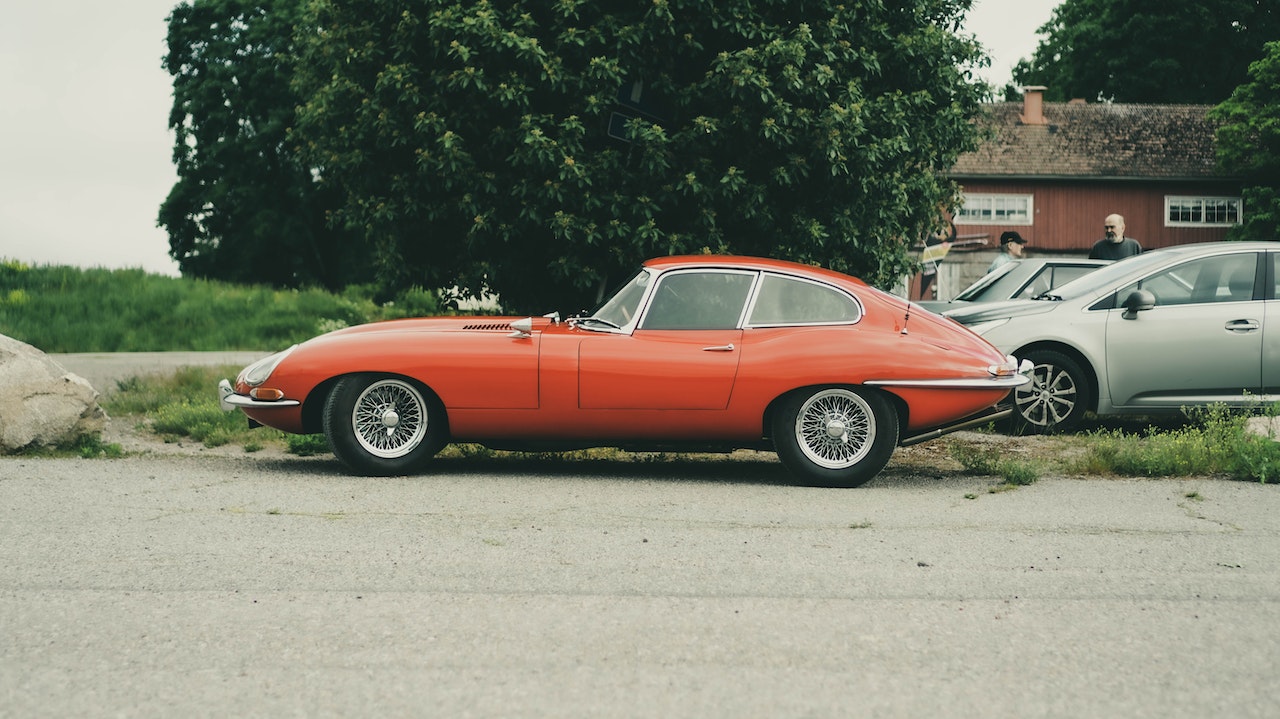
[718, 348]
[1243, 325]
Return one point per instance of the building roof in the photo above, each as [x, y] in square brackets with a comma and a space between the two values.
[1077, 140]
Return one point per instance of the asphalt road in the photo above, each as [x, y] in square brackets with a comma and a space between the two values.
[104, 369]
[250, 585]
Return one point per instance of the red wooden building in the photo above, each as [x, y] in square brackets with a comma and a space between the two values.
[1053, 171]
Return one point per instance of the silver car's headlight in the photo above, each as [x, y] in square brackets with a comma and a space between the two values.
[984, 327]
[258, 372]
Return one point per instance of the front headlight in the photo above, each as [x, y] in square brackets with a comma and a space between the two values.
[984, 327]
[258, 372]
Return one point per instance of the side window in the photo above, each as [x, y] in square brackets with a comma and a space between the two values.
[1275, 274]
[698, 301]
[1226, 278]
[787, 301]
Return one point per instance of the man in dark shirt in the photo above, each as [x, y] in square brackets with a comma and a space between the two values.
[1115, 246]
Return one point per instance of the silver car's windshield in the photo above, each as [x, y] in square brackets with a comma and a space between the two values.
[620, 309]
[1104, 278]
[982, 283]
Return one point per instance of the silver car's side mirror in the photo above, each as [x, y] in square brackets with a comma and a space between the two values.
[1137, 301]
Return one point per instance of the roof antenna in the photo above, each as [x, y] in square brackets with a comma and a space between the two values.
[907, 317]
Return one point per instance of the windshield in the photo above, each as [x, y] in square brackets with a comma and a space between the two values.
[1104, 277]
[974, 290]
[620, 309]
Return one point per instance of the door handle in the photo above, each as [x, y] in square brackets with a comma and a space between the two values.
[719, 348]
[1242, 325]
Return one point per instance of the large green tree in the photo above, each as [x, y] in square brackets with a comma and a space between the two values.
[1249, 145]
[541, 148]
[1152, 51]
[244, 208]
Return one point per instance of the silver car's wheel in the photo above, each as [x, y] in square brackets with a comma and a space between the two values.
[383, 425]
[835, 436]
[1057, 397]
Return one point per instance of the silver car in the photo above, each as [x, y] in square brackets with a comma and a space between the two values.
[1018, 279]
[1170, 328]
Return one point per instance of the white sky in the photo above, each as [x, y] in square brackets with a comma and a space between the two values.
[84, 143]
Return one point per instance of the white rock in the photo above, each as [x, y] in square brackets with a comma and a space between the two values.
[41, 403]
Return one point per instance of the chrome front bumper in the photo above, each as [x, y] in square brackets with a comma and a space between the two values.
[229, 400]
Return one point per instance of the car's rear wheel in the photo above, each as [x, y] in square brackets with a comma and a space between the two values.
[835, 436]
[1057, 397]
[383, 426]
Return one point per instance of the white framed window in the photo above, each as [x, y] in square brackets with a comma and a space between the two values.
[996, 209]
[1186, 211]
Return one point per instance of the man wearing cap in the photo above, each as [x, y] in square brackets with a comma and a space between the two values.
[1011, 244]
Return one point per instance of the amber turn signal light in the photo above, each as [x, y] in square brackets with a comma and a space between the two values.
[266, 394]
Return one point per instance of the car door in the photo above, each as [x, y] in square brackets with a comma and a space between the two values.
[683, 354]
[1201, 343]
[1271, 328]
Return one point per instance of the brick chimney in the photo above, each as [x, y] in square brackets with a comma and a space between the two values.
[1033, 105]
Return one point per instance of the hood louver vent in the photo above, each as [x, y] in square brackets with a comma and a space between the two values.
[493, 327]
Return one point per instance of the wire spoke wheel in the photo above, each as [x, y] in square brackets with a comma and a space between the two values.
[835, 436]
[389, 418]
[835, 429]
[381, 425]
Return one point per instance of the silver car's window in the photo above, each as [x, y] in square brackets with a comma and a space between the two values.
[1224, 278]
[698, 300]
[791, 301]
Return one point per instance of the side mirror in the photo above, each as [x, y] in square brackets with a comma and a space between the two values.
[1137, 301]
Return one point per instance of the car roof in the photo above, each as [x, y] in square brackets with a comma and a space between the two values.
[741, 262]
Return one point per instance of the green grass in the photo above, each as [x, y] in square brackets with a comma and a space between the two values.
[1215, 441]
[184, 404]
[68, 309]
[991, 461]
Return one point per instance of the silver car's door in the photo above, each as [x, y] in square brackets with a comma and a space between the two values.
[1271, 336]
[1201, 343]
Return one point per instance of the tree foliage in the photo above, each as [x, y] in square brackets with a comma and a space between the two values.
[471, 139]
[1152, 51]
[1249, 145]
[244, 207]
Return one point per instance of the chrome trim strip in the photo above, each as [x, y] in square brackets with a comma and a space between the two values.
[997, 382]
[993, 415]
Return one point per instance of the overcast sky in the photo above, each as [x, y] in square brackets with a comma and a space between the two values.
[84, 143]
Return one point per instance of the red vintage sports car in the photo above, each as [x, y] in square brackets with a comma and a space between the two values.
[696, 353]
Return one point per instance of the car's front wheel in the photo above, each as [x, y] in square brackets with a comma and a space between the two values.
[1057, 397]
[383, 426]
[835, 436]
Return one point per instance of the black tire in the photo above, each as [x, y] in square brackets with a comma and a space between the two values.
[1057, 397]
[835, 436]
[382, 426]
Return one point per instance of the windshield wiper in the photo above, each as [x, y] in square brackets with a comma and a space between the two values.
[1048, 297]
[593, 318]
